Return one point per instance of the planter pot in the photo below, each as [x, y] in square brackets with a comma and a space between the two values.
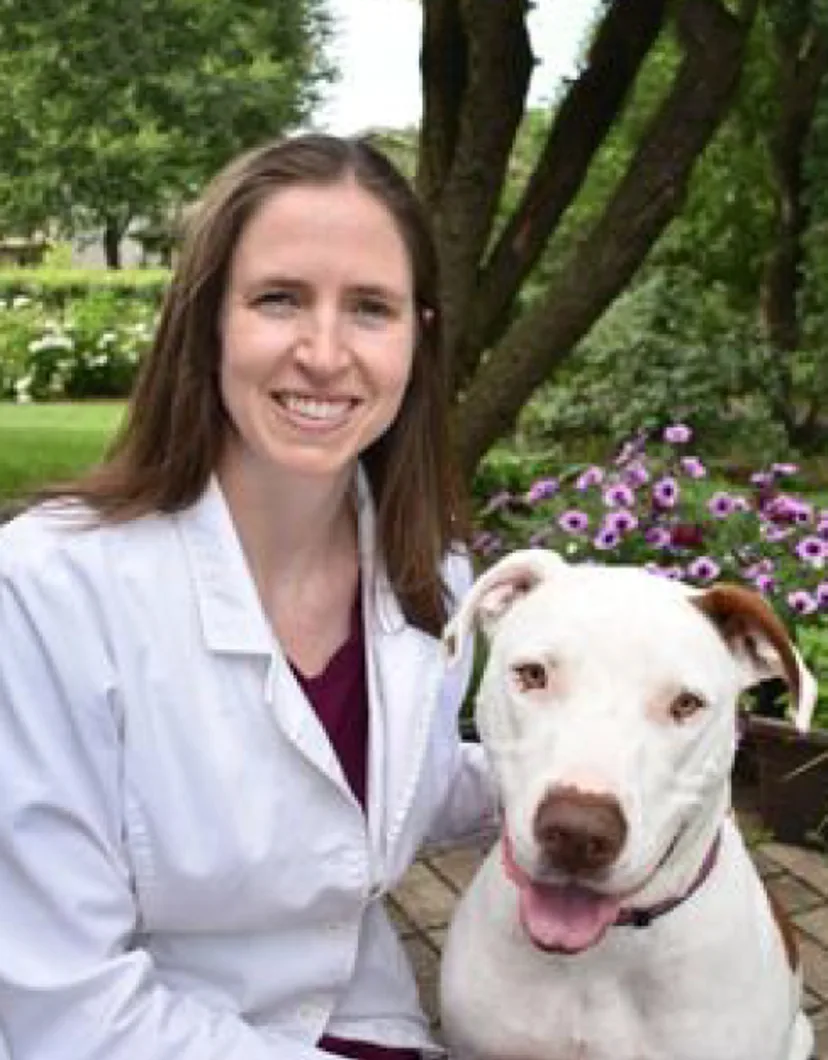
[792, 775]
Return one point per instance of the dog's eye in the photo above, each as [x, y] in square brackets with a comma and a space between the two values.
[685, 705]
[529, 676]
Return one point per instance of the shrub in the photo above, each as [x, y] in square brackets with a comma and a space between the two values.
[90, 348]
[54, 287]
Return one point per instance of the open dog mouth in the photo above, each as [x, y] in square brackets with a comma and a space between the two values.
[568, 917]
[560, 918]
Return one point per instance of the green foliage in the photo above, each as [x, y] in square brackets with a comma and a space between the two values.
[669, 348]
[119, 111]
[53, 286]
[685, 339]
[813, 645]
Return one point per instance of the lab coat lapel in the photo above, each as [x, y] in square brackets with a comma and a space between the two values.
[233, 622]
[404, 674]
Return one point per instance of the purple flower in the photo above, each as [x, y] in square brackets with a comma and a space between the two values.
[485, 543]
[677, 434]
[802, 602]
[620, 522]
[693, 467]
[593, 476]
[801, 512]
[636, 474]
[764, 583]
[573, 521]
[704, 569]
[666, 492]
[761, 479]
[606, 539]
[541, 490]
[619, 495]
[822, 527]
[773, 534]
[673, 573]
[812, 549]
[821, 594]
[761, 566]
[720, 505]
[786, 509]
[784, 469]
[658, 537]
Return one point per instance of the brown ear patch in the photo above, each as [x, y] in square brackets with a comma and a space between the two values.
[737, 612]
[785, 929]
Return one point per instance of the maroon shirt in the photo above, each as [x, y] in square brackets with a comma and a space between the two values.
[339, 696]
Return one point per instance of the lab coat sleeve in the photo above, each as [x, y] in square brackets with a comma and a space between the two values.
[73, 981]
[471, 812]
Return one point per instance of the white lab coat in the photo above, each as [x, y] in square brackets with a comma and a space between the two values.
[184, 872]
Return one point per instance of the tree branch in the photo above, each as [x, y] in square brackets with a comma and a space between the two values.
[463, 187]
[585, 117]
[443, 70]
[645, 201]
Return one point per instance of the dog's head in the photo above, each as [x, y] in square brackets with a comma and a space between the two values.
[607, 706]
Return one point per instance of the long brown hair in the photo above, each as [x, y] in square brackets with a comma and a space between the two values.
[172, 434]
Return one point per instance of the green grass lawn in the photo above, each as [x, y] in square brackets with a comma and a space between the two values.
[50, 442]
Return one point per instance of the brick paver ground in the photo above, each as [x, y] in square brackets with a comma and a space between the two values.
[423, 904]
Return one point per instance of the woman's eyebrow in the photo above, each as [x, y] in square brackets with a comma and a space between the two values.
[370, 290]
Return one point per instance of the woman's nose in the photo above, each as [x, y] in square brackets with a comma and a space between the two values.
[322, 346]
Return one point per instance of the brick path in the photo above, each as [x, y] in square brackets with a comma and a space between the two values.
[422, 905]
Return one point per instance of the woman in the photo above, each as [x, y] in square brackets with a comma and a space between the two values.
[225, 727]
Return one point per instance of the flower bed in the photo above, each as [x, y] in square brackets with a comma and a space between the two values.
[654, 504]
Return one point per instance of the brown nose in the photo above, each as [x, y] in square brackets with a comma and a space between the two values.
[579, 832]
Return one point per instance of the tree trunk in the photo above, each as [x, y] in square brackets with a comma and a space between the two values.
[604, 262]
[112, 243]
[802, 52]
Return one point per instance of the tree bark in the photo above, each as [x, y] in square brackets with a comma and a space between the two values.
[802, 52]
[112, 244]
[580, 127]
[645, 201]
[476, 63]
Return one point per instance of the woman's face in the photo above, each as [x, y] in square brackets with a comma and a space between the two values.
[317, 331]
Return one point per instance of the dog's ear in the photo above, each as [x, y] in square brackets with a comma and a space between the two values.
[759, 643]
[494, 592]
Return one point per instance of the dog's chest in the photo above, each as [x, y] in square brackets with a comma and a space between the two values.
[674, 991]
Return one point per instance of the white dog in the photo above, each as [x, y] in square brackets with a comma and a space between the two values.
[620, 916]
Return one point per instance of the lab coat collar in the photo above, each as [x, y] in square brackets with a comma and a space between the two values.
[232, 616]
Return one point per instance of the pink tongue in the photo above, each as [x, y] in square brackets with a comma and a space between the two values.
[566, 918]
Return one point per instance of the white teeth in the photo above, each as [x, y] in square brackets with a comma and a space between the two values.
[314, 408]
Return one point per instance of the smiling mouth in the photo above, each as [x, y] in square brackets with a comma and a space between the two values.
[322, 411]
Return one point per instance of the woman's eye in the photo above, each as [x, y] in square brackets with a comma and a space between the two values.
[373, 310]
[277, 301]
